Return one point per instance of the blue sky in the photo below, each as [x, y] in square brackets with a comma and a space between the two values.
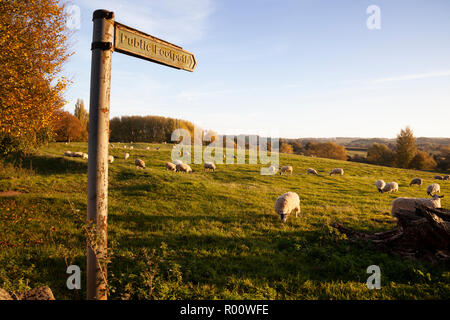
[283, 68]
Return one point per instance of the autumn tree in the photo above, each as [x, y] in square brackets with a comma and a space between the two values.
[286, 148]
[329, 150]
[380, 154]
[81, 113]
[67, 127]
[422, 160]
[406, 148]
[33, 50]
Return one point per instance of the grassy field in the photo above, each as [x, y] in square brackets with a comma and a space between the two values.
[208, 235]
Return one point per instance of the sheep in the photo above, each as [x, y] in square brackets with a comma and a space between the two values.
[124, 147]
[390, 187]
[68, 154]
[110, 159]
[380, 185]
[417, 181]
[177, 162]
[410, 204]
[209, 166]
[170, 166]
[273, 169]
[433, 189]
[131, 147]
[182, 167]
[312, 171]
[438, 177]
[126, 156]
[286, 204]
[139, 163]
[77, 154]
[148, 148]
[85, 156]
[447, 177]
[337, 171]
[286, 169]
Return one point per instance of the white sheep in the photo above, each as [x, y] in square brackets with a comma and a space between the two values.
[183, 167]
[139, 163]
[126, 156]
[417, 181]
[131, 147]
[390, 187]
[410, 204]
[286, 204]
[380, 184]
[209, 166]
[433, 189]
[171, 166]
[124, 147]
[177, 161]
[337, 171]
[286, 169]
[273, 169]
[110, 159]
[77, 154]
[312, 171]
[85, 156]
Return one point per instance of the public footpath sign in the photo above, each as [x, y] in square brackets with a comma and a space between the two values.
[109, 36]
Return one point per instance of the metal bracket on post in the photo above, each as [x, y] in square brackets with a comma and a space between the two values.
[97, 202]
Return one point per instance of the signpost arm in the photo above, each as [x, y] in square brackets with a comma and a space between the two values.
[97, 202]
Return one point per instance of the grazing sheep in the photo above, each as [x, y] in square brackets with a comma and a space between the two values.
[312, 171]
[171, 166]
[68, 154]
[286, 204]
[139, 163]
[286, 169]
[273, 169]
[380, 185]
[439, 177]
[127, 155]
[177, 162]
[337, 171]
[390, 187]
[124, 147]
[447, 177]
[85, 156]
[182, 167]
[110, 159]
[209, 166]
[410, 204]
[131, 147]
[417, 181]
[77, 154]
[433, 189]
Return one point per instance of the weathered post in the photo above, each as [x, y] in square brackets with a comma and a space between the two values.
[97, 202]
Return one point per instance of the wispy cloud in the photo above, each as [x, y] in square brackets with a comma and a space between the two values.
[434, 74]
[178, 21]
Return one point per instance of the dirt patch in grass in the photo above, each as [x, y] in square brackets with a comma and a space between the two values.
[9, 193]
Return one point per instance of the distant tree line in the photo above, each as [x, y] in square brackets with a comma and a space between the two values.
[146, 128]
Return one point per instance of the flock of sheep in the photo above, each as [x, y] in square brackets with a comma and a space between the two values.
[289, 202]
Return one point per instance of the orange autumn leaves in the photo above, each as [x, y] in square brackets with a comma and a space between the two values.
[33, 50]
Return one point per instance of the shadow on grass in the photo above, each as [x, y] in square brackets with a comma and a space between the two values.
[44, 165]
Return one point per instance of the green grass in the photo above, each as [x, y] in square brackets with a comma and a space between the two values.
[215, 235]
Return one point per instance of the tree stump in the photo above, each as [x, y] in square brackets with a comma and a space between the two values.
[421, 234]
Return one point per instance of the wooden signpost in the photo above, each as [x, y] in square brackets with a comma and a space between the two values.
[109, 36]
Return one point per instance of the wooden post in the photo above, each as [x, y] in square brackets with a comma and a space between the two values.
[97, 202]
